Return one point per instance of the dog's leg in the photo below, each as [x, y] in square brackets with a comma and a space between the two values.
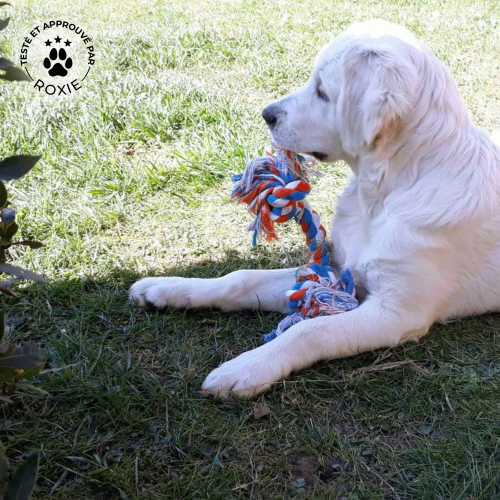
[374, 324]
[245, 289]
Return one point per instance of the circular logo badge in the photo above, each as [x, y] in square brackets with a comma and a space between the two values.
[58, 57]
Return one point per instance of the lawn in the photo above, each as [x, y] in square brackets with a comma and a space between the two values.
[135, 181]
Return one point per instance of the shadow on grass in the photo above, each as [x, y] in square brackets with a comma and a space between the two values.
[124, 416]
[94, 312]
[87, 310]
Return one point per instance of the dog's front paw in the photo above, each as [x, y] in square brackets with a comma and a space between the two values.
[248, 375]
[161, 292]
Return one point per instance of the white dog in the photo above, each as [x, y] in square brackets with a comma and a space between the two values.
[418, 224]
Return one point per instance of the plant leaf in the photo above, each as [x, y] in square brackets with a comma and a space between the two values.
[12, 72]
[3, 195]
[10, 231]
[24, 478]
[21, 273]
[7, 216]
[20, 361]
[260, 411]
[2, 325]
[4, 23]
[15, 167]
[4, 468]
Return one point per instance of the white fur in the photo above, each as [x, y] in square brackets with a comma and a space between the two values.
[418, 224]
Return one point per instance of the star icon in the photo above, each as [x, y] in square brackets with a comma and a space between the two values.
[67, 43]
[57, 39]
[48, 43]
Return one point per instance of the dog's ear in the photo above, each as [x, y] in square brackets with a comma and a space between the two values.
[378, 89]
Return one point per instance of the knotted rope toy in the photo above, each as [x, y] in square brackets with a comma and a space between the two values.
[274, 187]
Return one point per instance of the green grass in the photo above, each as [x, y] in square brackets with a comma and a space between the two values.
[180, 85]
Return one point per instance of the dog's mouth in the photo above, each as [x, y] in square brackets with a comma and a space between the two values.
[318, 155]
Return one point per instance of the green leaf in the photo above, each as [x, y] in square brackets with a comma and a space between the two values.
[10, 231]
[4, 468]
[4, 23]
[3, 195]
[2, 324]
[7, 215]
[20, 361]
[14, 167]
[24, 478]
[12, 72]
[21, 273]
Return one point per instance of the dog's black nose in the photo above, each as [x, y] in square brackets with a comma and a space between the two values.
[269, 114]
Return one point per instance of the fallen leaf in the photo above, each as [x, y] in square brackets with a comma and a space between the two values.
[190, 372]
[260, 411]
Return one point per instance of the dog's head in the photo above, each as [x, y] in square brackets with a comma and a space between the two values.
[363, 84]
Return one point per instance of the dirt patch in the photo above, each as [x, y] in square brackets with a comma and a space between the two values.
[334, 467]
[305, 466]
[332, 470]
[347, 428]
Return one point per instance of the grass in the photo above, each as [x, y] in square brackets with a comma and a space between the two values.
[135, 181]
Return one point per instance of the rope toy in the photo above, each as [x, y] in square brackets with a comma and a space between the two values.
[274, 188]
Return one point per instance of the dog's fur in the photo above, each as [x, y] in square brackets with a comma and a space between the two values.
[418, 224]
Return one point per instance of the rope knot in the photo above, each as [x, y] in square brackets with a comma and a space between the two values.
[275, 187]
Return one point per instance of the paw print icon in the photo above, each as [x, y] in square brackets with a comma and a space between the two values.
[58, 63]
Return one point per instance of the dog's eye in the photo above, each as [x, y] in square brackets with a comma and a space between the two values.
[322, 95]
